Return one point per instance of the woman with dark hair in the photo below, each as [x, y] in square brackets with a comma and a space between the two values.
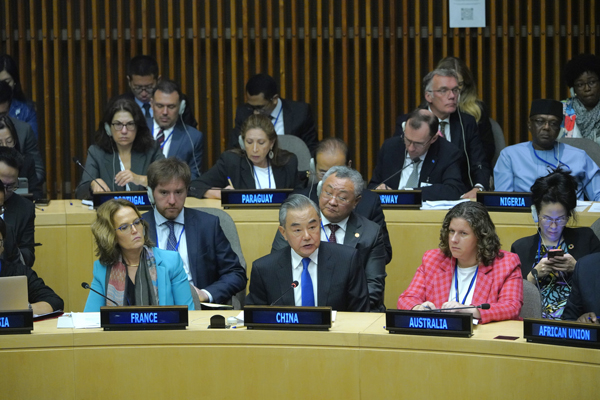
[470, 104]
[468, 269]
[9, 138]
[554, 198]
[258, 164]
[582, 109]
[21, 108]
[130, 270]
[123, 151]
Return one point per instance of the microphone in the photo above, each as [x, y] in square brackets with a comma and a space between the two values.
[76, 161]
[292, 286]
[484, 306]
[86, 286]
[414, 161]
[534, 272]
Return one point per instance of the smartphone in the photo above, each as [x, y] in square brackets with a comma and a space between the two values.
[556, 252]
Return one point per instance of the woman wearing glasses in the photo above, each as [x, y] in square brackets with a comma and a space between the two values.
[130, 271]
[258, 164]
[123, 151]
[582, 110]
[554, 197]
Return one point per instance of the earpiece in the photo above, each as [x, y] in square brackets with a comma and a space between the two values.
[241, 142]
[312, 169]
[182, 107]
[572, 91]
[534, 214]
[151, 197]
[107, 129]
[319, 188]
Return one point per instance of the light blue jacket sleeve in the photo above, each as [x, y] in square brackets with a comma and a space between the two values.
[95, 301]
[503, 174]
[592, 181]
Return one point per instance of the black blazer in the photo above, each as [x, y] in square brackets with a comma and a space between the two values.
[340, 279]
[20, 216]
[297, 121]
[188, 117]
[585, 296]
[464, 124]
[440, 169]
[583, 240]
[237, 167]
[369, 207]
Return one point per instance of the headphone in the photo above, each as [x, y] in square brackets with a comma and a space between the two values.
[151, 196]
[107, 129]
[534, 214]
[319, 188]
[182, 107]
[241, 142]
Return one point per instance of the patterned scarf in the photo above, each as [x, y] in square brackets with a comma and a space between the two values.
[146, 284]
[587, 121]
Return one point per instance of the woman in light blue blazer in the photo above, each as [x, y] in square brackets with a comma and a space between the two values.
[130, 271]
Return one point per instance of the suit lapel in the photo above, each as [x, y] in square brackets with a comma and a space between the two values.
[324, 275]
[353, 228]
[176, 142]
[285, 278]
[149, 218]
[246, 175]
[162, 278]
[483, 285]
[430, 160]
[287, 117]
[456, 129]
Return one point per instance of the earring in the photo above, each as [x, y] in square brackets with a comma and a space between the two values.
[271, 154]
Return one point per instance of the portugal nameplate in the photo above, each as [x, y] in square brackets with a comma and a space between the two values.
[434, 323]
[563, 333]
[287, 317]
[143, 318]
[138, 198]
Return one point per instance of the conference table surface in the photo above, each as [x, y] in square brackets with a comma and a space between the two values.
[356, 359]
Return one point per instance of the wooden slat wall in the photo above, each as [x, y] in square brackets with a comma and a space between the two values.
[359, 63]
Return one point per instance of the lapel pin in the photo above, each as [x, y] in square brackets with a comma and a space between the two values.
[356, 234]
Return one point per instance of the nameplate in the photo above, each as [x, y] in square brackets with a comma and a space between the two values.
[505, 201]
[143, 318]
[16, 321]
[138, 198]
[431, 323]
[563, 333]
[287, 317]
[254, 198]
[400, 198]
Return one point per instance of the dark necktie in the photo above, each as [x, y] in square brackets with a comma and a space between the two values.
[160, 138]
[333, 228]
[308, 294]
[443, 128]
[171, 241]
[413, 179]
[146, 107]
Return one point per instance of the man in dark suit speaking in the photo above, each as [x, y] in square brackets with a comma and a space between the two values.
[329, 274]
[288, 117]
[419, 160]
[211, 265]
[338, 195]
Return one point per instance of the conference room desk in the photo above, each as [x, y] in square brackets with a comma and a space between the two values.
[356, 359]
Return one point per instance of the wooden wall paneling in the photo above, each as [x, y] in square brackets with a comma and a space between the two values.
[581, 33]
[121, 58]
[393, 106]
[182, 78]
[593, 22]
[171, 40]
[294, 54]
[221, 72]
[196, 79]
[320, 106]
[506, 77]
[480, 52]
[245, 43]
[381, 76]
[257, 37]
[530, 50]
[556, 49]
[417, 43]
[307, 58]
[158, 34]
[456, 43]
[332, 72]
[133, 37]
[542, 47]
[270, 56]
[22, 42]
[71, 88]
[357, 79]
[211, 134]
[108, 51]
[569, 29]
[57, 107]
[33, 55]
[98, 104]
[492, 70]
[234, 60]
[370, 109]
[516, 131]
[9, 28]
[405, 62]
[445, 28]
[283, 79]
[46, 52]
[85, 114]
[467, 43]
[345, 77]
[430, 39]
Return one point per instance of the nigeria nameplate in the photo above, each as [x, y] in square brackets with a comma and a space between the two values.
[260, 198]
[434, 323]
[399, 198]
[287, 317]
[16, 321]
[138, 198]
[505, 201]
[143, 317]
[564, 333]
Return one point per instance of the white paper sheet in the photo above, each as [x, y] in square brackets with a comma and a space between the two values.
[467, 13]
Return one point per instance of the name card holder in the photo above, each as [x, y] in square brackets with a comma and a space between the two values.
[505, 201]
[138, 198]
[406, 199]
[562, 333]
[430, 323]
[287, 318]
[254, 198]
[16, 322]
[133, 318]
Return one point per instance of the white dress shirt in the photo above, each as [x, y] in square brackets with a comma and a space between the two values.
[277, 118]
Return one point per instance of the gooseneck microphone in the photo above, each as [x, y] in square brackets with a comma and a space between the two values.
[534, 272]
[414, 161]
[292, 286]
[484, 306]
[76, 161]
[86, 286]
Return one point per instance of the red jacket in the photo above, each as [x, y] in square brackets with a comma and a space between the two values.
[500, 285]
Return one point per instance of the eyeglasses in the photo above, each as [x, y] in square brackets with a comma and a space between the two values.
[126, 228]
[140, 89]
[119, 125]
[445, 91]
[12, 187]
[592, 83]
[7, 143]
[552, 123]
[328, 196]
[416, 145]
[560, 221]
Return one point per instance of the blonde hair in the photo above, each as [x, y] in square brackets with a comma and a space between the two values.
[468, 102]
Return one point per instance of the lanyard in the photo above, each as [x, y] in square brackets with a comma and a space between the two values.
[322, 227]
[162, 145]
[178, 240]
[456, 283]
[278, 114]
[547, 162]
[268, 174]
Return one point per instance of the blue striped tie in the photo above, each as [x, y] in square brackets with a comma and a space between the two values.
[308, 294]
[171, 241]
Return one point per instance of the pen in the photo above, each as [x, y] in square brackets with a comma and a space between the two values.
[230, 184]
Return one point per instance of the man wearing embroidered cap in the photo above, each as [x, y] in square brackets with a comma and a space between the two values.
[520, 165]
